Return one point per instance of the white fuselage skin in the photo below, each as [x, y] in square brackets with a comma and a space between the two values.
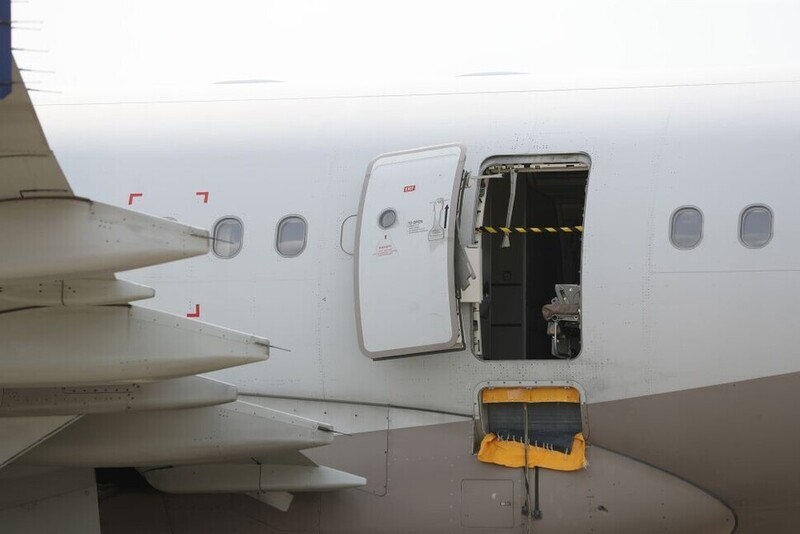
[656, 319]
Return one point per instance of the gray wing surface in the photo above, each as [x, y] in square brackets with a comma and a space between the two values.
[88, 380]
[27, 165]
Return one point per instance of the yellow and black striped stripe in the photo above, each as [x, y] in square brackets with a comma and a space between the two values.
[530, 230]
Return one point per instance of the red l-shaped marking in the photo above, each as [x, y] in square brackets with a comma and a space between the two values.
[195, 313]
[203, 194]
[132, 196]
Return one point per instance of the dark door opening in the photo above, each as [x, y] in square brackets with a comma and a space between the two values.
[531, 280]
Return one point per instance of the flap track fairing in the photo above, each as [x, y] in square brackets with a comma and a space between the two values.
[102, 345]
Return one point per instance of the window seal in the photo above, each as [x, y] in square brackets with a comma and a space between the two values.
[277, 235]
[214, 236]
[672, 226]
[771, 225]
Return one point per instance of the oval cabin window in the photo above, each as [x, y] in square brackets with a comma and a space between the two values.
[755, 226]
[686, 229]
[227, 237]
[290, 239]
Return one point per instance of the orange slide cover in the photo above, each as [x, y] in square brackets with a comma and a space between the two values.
[512, 453]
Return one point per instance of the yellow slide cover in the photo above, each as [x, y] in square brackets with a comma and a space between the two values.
[512, 454]
[542, 394]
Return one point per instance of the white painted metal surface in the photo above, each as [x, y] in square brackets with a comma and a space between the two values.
[635, 284]
[27, 165]
[97, 292]
[178, 393]
[20, 434]
[405, 252]
[280, 500]
[653, 148]
[215, 434]
[56, 238]
[474, 292]
[37, 500]
[354, 418]
[101, 345]
[241, 478]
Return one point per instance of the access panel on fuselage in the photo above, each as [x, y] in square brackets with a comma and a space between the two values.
[405, 244]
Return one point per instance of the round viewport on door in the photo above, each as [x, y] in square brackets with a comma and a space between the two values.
[387, 218]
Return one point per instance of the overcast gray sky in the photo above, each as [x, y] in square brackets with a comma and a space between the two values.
[105, 43]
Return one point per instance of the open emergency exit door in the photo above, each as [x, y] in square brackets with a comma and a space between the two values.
[405, 253]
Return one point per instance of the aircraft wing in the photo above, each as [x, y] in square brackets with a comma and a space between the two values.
[89, 380]
[27, 165]
[57, 277]
[271, 479]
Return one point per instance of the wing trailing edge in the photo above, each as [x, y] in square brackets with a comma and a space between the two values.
[272, 480]
[20, 434]
[178, 393]
[100, 345]
[45, 500]
[91, 381]
[251, 478]
[72, 344]
[68, 237]
[217, 434]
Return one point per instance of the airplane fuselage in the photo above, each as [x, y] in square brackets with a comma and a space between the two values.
[686, 361]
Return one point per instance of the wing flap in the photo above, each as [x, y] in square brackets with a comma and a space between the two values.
[56, 238]
[66, 326]
[87, 292]
[20, 434]
[218, 434]
[88, 345]
[178, 393]
[38, 501]
[247, 478]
